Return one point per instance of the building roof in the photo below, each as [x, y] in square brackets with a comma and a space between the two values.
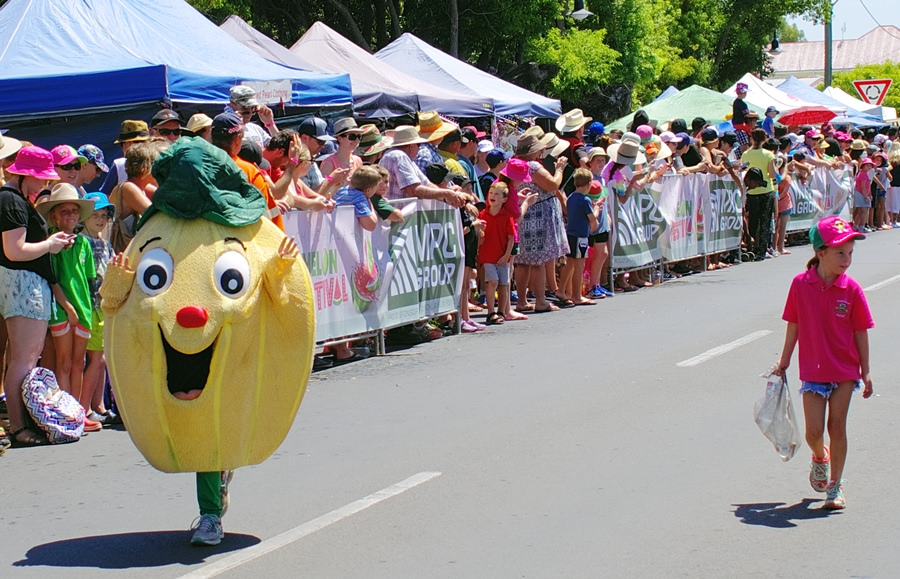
[808, 58]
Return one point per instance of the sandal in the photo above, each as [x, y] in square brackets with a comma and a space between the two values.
[495, 319]
[550, 308]
[33, 439]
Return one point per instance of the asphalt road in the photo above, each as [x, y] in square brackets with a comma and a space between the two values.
[571, 445]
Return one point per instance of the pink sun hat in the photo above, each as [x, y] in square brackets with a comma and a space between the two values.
[33, 161]
[832, 231]
[517, 170]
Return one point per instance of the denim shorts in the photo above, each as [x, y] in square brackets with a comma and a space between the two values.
[859, 201]
[824, 389]
[497, 273]
[24, 293]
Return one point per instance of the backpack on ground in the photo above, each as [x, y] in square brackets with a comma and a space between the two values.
[55, 411]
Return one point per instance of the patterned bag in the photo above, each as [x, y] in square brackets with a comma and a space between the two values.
[55, 411]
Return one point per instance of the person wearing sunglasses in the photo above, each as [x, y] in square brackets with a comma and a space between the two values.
[347, 133]
[244, 104]
[166, 124]
[68, 164]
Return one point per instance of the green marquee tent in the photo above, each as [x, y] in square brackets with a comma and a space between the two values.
[694, 101]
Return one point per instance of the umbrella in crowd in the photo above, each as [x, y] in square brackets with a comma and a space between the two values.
[812, 115]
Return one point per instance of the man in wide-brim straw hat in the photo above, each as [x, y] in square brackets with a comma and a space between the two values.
[570, 127]
[406, 179]
[571, 121]
[432, 128]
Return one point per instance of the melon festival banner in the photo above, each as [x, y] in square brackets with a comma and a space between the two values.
[680, 217]
[397, 274]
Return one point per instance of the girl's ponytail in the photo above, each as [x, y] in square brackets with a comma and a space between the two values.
[812, 262]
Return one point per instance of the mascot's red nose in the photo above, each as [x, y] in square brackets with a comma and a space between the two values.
[191, 317]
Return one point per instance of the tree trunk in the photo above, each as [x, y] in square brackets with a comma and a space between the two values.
[367, 21]
[352, 27]
[396, 31]
[381, 36]
[454, 29]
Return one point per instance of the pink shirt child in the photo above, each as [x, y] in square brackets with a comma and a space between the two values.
[826, 318]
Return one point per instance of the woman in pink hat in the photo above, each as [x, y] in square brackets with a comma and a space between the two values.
[26, 278]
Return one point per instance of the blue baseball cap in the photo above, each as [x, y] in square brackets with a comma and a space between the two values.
[685, 139]
[101, 201]
[496, 156]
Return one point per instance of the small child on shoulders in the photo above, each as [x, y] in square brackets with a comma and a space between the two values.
[496, 249]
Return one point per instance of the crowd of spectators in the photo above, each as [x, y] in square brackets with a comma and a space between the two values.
[536, 220]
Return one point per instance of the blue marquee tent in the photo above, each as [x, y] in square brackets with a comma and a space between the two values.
[419, 59]
[69, 56]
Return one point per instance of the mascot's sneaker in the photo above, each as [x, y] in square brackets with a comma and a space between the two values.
[819, 471]
[207, 531]
[224, 499]
[834, 499]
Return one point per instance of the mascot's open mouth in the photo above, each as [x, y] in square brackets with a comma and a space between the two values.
[186, 374]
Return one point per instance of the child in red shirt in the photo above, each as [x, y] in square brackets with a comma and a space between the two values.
[496, 249]
[828, 315]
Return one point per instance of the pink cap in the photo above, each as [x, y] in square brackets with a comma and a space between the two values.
[669, 137]
[812, 134]
[65, 154]
[644, 132]
[832, 231]
[34, 162]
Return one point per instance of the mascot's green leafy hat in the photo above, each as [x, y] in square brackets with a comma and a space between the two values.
[199, 180]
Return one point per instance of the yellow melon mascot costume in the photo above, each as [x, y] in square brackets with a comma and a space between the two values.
[209, 327]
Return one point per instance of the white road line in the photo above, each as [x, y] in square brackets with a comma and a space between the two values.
[719, 350]
[297, 533]
[881, 284]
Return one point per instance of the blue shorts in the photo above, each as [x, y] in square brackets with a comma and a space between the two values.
[860, 202]
[497, 273]
[824, 389]
[24, 293]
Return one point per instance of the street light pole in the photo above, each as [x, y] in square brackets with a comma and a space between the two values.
[828, 42]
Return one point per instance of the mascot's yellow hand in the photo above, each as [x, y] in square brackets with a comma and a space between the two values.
[116, 283]
[278, 267]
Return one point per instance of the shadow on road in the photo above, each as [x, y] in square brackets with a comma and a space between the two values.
[129, 550]
[777, 516]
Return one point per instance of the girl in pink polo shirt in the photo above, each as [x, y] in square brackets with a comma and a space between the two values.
[827, 314]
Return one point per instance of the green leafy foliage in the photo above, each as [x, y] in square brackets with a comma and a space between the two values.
[844, 80]
[583, 60]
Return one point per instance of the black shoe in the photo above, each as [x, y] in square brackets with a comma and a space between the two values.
[320, 363]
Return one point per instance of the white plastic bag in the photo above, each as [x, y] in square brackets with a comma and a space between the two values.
[776, 418]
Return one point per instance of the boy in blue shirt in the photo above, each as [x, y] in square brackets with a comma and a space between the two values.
[581, 218]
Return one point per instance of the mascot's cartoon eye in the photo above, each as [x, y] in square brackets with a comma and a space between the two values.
[154, 272]
[232, 274]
